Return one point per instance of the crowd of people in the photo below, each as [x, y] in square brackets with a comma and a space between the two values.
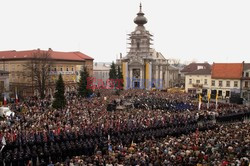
[40, 135]
[228, 144]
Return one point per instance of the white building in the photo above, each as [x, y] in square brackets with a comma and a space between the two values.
[226, 79]
[198, 81]
[197, 78]
[101, 72]
[143, 67]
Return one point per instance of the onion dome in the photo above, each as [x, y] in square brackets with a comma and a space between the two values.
[140, 20]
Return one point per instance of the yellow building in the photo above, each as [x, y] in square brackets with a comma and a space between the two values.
[18, 64]
[4, 82]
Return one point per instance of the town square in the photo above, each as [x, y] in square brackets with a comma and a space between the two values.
[140, 106]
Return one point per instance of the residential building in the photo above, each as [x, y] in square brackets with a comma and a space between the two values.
[68, 64]
[197, 78]
[246, 81]
[226, 79]
[193, 67]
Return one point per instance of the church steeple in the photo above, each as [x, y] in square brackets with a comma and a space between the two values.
[140, 20]
[140, 38]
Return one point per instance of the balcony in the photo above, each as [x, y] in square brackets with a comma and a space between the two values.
[198, 85]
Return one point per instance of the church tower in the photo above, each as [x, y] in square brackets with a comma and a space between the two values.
[143, 67]
[140, 38]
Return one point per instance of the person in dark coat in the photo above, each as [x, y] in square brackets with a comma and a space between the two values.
[34, 154]
[9, 157]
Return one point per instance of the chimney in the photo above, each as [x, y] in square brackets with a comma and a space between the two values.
[96, 64]
[104, 64]
[120, 55]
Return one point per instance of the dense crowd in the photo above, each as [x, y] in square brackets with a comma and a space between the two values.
[224, 145]
[39, 134]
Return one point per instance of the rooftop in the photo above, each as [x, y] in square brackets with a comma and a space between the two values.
[200, 72]
[101, 66]
[227, 70]
[195, 66]
[55, 55]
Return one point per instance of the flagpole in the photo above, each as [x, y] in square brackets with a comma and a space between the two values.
[216, 101]
[4, 143]
[199, 106]
[208, 100]
[2, 148]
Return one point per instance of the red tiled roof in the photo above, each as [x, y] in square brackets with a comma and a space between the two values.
[83, 55]
[227, 70]
[56, 55]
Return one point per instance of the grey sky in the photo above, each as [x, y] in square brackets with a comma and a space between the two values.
[201, 30]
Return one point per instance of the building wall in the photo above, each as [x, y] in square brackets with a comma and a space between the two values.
[173, 78]
[225, 88]
[89, 66]
[102, 75]
[192, 81]
[246, 89]
[21, 80]
[4, 83]
[246, 85]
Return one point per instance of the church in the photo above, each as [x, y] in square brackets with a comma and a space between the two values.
[143, 67]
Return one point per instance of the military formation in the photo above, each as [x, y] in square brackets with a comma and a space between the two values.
[84, 132]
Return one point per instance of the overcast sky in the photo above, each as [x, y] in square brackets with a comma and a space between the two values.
[190, 30]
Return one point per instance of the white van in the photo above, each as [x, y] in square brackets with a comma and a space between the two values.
[5, 111]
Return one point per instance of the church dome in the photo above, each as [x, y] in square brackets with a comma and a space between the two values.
[140, 20]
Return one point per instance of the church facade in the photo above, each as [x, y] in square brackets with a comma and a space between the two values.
[143, 67]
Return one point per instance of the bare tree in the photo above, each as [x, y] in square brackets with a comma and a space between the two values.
[39, 70]
[175, 62]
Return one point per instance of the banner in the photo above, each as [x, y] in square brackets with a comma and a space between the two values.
[200, 101]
